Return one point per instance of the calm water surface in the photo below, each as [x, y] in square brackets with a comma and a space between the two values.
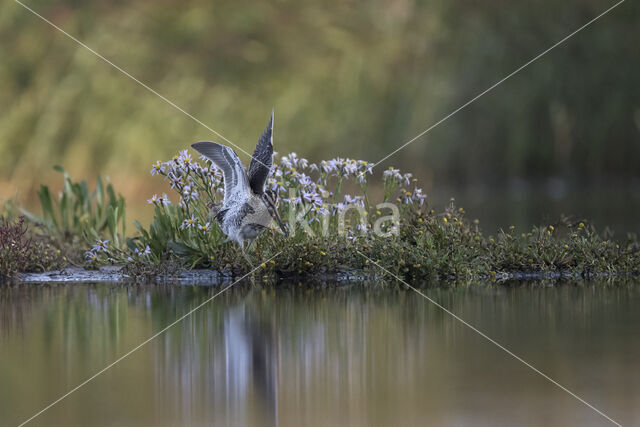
[351, 355]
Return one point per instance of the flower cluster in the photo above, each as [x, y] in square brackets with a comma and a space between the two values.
[314, 190]
[393, 179]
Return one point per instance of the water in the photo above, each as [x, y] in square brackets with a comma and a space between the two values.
[345, 355]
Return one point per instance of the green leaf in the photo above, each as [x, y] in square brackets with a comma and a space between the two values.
[180, 248]
[99, 194]
[47, 206]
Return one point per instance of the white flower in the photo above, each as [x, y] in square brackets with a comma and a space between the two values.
[305, 180]
[350, 167]
[328, 166]
[419, 196]
[189, 223]
[101, 245]
[321, 210]
[407, 197]
[295, 200]
[189, 192]
[357, 200]
[185, 158]
[312, 197]
[336, 208]
[158, 168]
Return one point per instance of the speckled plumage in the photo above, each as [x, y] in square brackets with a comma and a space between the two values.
[247, 208]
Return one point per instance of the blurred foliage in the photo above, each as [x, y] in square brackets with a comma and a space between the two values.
[346, 79]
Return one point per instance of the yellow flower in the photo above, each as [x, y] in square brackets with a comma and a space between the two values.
[581, 225]
[444, 220]
[322, 253]
[551, 227]
[379, 213]
[566, 246]
[419, 219]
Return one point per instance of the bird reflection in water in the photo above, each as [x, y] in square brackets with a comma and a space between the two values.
[222, 365]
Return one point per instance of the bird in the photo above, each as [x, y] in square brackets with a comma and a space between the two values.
[248, 208]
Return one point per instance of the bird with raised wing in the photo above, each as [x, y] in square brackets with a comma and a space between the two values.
[247, 208]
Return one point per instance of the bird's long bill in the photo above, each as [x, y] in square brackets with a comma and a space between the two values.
[274, 213]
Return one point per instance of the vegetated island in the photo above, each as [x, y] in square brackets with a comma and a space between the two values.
[336, 231]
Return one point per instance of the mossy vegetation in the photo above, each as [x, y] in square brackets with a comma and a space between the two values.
[330, 231]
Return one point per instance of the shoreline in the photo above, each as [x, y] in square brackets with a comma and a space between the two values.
[207, 277]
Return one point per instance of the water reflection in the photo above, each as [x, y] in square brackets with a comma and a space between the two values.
[356, 355]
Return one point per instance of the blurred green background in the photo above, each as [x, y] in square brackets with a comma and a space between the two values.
[346, 78]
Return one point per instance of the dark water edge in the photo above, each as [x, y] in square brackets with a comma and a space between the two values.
[204, 277]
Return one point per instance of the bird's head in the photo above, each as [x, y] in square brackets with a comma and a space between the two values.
[270, 199]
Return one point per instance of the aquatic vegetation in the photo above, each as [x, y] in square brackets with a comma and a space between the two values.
[21, 251]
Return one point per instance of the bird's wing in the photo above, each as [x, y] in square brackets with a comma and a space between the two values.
[262, 160]
[233, 172]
